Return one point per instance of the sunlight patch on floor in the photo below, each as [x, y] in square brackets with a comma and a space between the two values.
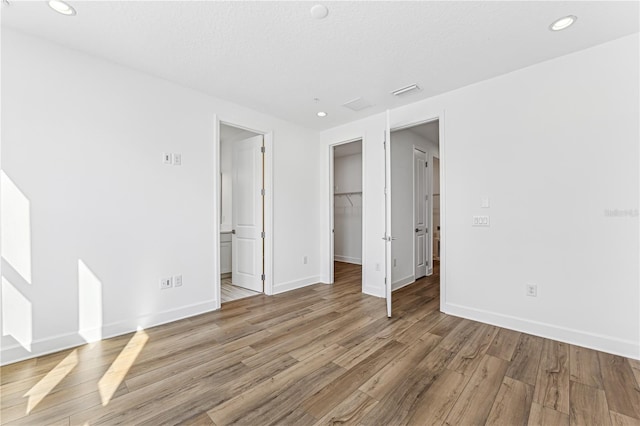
[41, 389]
[116, 373]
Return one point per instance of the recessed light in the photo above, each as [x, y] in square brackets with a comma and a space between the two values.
[563, 23]
[319, 11]
[321, 114]
[62, 7]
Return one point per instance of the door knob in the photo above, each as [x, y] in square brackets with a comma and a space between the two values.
[417, 230]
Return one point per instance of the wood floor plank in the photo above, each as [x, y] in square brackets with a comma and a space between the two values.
[401, 402]
[544, 416]
[435, 404]
[475, 402]
[328, 398]
[552, 384]
[618, 419]
[585, 367]
[324, 354]
[471, 353]
[622, 390]
[388, 377]
[349, 411]
[525, 360]
[512, 404]
[504, 344]
[588, 406]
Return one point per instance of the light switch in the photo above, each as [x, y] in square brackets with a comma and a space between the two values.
[167, 158]
[177, 159]
[481, 221]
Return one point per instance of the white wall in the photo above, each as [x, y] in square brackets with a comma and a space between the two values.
[348, 211]
[402, 207]
[82, 142]
[563, 133]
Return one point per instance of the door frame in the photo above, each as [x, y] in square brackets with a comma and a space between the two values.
[417, 117]
[267, 170]
[332, 208]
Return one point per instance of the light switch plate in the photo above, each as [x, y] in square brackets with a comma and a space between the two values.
[481, 221]
[177, 159]
[484, 203]
[167, 158]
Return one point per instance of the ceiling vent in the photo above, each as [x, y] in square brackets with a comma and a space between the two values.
[414, 88]
[357, 104]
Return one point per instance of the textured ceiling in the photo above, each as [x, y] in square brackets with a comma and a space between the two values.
[274, 57]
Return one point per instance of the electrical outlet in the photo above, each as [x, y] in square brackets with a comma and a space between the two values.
[167, 158]
[305, 260]
[177, 281]
[532, 290]
[166, 283]
[177, 159]
[378, 267]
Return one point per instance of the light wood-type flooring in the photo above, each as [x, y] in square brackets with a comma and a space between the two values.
[230, 292]
[325, 355]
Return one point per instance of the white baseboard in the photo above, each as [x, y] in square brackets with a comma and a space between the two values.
[347, 259]
[373, 291]
[403, 282]
[47, 345]
[295, 284]
[626, 348]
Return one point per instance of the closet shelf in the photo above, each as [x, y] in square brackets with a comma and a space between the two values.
[347, 193]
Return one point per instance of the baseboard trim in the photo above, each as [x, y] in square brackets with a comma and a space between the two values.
[47, 345]
[347, 259]
[295, 284]
[373, 291]
[626, 348]
[403, 282]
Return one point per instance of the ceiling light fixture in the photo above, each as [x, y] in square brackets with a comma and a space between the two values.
[321, 114]
[563, 23]
[319, 11]
[407, 89]
[62, 7]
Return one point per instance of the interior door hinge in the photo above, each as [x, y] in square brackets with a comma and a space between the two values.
[385, 280]
[263, 277]
[262, 234]
[426, 164]
[262, 192]
[262, 150]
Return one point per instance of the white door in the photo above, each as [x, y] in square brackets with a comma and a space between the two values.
[420, 212]
[246, 192]
[387, 207]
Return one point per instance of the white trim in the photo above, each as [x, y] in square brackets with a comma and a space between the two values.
[403, 282]
[61, 342]
[347, 259]
[295, 284]
[626, 348]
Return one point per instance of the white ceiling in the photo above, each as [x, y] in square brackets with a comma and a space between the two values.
[274, 57]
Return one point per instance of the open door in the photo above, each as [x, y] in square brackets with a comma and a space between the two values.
[421, 237]
[387, 213]
[247, 221]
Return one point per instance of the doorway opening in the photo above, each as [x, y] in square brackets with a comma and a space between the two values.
[415, 207]
[346, 171]
[241, 213]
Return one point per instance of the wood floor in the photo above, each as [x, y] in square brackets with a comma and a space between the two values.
[325, 355]
[230, 292]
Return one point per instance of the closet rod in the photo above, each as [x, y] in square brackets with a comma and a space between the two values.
[348, 193]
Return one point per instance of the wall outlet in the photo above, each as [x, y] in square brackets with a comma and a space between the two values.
[177, 281]
[378, 267]
[532, 290]
[305, 260]
[166, 283]
[481, 221]
[177, 159]
[167, 158]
